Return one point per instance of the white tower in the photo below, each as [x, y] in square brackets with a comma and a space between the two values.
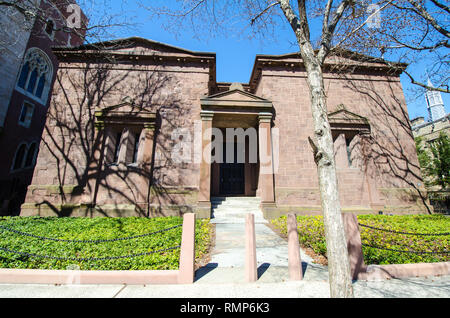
[435, 104]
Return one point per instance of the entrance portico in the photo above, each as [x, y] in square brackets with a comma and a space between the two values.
[237, 151]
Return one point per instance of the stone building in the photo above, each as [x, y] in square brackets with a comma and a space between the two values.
[439, 119]
[430, 130]
[134, 129]
[27, 69]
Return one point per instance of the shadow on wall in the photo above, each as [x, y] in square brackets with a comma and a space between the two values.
[78, 170]
[388, 153]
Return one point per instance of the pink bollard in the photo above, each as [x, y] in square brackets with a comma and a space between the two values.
[251, 271]
[295, 262]
[187, 253]
[354, 244]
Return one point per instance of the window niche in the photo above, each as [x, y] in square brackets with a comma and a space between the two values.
[123, 145]
[125, 128]
[348, 130]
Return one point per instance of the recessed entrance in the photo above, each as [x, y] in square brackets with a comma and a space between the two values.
[232, 175]
[242, 118]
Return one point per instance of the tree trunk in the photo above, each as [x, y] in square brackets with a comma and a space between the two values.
[337, 253]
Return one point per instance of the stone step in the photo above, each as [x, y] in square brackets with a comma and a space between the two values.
[235, 202]
[233, 210]
[229, 220]
[237, 208]
[235, 199]
[234, 214]
[234, 206]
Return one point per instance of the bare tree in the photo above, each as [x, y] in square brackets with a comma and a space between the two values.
[415, 32]
[323, 28]
[69, 140]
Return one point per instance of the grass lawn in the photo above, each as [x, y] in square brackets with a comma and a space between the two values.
[312, 236]
[87, 229]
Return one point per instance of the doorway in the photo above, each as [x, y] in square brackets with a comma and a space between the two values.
[232, 173]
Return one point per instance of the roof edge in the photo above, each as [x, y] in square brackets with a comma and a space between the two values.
[107, 44]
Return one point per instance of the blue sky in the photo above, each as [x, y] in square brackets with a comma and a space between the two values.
[235, 54]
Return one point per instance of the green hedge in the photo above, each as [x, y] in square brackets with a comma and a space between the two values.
[97, 229]
[312, 235]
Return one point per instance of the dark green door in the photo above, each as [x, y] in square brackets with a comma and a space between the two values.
[232, 176]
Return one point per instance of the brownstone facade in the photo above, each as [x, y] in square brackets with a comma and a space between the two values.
[118, 109]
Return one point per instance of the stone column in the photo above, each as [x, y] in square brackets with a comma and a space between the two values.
[145, 152]
[124, 146]
[204, 194]
[340, 152]
[266, 180]
[96, 165]
[145, 161]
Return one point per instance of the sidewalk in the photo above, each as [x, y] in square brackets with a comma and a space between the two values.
[433, 287]
[223, 277]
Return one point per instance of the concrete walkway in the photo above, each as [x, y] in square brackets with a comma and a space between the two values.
[223, 277]
[310, 287]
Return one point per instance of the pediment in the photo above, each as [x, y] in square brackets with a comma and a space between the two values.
[343, 116]
[236, 94]
[126, 112]
[236, 99]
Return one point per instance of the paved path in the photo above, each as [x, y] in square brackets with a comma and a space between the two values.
[436, 287]
[224, 277]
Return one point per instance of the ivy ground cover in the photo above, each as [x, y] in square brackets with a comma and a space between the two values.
[389, 247]
[111, 250]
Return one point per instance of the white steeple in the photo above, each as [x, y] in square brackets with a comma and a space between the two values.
[435, 104]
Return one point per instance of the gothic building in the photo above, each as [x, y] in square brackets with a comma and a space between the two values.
[135, 128]
[28, 68]
[439, 119]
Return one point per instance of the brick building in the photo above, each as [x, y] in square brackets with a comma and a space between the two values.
[28, 68]
[134, 125]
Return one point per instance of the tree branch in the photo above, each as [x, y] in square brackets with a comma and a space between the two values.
[328, 30]
[413, 81]
[253, 20]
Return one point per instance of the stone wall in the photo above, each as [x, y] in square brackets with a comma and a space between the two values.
[385, 172]
[66, 179]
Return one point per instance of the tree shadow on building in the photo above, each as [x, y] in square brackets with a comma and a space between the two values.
[388, 153]
[118, 167]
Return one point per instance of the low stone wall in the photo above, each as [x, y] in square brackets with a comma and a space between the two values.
[184, 275]
[274, 212]
[361, 271]
[380, 272]
[42, 201]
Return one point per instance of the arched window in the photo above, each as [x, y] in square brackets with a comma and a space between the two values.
[36, 74]
[20, 155]
[29, 162]
[24, 75]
